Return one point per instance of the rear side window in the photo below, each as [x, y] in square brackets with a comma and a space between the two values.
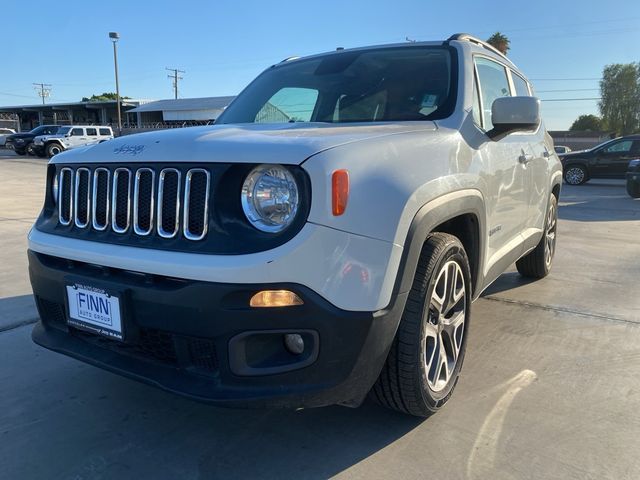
[105, 131]
[92, 131]
[522, 88]
[77, 132]
[493, 84]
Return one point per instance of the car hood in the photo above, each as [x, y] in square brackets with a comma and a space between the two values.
[13, 136]
[289, 143]
[577, 154]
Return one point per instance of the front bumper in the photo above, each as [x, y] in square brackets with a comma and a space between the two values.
[190, 337]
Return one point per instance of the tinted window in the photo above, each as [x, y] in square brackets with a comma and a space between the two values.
[408, 83]
[493, 84]
[288, 105]
[77, 132]
[105, 131]
[522, 89]
[619, 147]
[92, 131]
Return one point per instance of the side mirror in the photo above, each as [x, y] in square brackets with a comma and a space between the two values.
[67, 134]
[514, 114]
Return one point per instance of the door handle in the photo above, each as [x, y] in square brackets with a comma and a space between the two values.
[525, 158]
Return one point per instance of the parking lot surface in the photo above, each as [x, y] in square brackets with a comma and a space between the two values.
[550, 386]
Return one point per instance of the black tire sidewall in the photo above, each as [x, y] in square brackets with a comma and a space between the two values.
[50, 146]
[436, 399]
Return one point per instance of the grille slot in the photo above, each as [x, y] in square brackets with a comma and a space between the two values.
[100, 211]
[65, 196]
[163, 203]
[196, 204]
[81, 197]
[143, 201]
[121, 200]
[169, 203]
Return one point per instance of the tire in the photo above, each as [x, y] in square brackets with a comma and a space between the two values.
[575, 175]
[633, 188]
[412, 380]
[29, 150]
[537, 263]
[53, 149]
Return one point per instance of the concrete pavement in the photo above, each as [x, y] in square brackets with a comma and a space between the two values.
[550, 387]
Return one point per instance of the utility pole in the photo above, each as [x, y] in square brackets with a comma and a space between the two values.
[43, 89]
[175, 78]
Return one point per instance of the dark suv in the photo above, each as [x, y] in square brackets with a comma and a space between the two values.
[22, 143]
[608, 160]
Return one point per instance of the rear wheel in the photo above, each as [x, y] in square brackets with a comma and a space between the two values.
[54, 149]
[575, 175]
[426, 356]
[537, 263]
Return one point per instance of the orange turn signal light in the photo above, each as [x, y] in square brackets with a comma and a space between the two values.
[275, 298]
[339, 192]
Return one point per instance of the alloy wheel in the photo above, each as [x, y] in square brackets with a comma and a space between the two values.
[575, 176]
[550, 234]
[445, 325]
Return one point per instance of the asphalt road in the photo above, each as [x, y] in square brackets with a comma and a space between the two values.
[550, 388]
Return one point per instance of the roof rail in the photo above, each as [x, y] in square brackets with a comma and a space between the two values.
[477, 41]
[288, 59]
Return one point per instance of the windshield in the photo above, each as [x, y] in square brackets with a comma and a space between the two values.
[376, 85]
[45, 130]
[63, 130]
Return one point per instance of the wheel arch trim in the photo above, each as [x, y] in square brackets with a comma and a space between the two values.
[427, 218]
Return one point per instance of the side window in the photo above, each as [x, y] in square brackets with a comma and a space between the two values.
[92, 132]
[291, 104]
[619, 147]
[522, 88]
[77, 132]
[105, 132]
[493, 84]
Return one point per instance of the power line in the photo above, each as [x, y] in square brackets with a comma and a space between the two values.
[570, 90]
[43, 90]
[175, 78]
[569, 99]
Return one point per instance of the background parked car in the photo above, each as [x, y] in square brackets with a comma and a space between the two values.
[633, 178]
[22, 143]
[4, 133]
[607, 160]
[70, 137]
[561, 149]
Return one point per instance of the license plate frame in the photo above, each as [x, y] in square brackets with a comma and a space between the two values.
[95, 310]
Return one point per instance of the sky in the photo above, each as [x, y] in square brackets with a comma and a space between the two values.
[561, 45]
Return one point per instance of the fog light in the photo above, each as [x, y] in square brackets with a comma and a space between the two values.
[275, 298]
[294, 343]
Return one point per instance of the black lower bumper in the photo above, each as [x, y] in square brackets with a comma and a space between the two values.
[202, 340]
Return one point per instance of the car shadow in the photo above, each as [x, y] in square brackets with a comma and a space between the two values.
[507, 281]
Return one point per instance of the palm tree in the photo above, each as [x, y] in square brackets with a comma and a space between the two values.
[500, 41]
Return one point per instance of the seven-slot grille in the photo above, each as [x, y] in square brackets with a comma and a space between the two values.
[136, 199]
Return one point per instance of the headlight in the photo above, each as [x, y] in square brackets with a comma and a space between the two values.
[54, 188]
[270, 198]
[634, 163]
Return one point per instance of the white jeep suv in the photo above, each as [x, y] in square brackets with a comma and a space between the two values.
[324, 240]
[70, 137]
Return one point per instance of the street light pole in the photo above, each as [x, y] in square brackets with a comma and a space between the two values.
[115, 36]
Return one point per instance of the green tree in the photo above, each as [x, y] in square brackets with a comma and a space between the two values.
[500, 41]
[103, 97]
[587, 123]
[620, 92]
